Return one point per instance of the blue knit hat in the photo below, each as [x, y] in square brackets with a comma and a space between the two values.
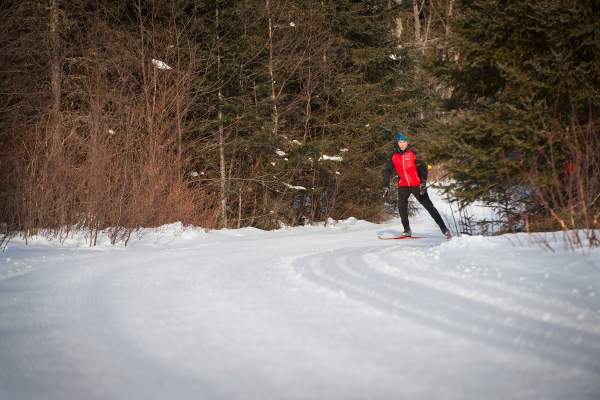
[401, 137]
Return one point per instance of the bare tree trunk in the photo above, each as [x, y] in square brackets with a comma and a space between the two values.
[274, 112]
[253, 215]
[450, 15]
[239, 223]
[143, 66]
[399, 28]
[324, 49]
[447, 27]
[55, 61]
[427, 30]
[55, 68]
[256, 115]
[416, 12]
[221, 130]
[178, 121]
[308, 97]
[179, 96]
[308, 108]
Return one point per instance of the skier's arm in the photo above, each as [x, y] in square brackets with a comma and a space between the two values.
[421, 169]
[387, 173]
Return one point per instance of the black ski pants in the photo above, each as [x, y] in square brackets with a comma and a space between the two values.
[404, 193]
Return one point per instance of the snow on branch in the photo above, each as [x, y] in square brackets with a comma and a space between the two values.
[294, 187]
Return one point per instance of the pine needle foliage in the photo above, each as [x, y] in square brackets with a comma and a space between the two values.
[526, 74]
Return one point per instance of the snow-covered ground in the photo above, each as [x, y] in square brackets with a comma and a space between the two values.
[304, 313]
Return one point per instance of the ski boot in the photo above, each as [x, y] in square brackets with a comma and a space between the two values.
[448, 234]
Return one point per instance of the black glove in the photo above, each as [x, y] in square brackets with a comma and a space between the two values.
[422, 188]
[386, 190]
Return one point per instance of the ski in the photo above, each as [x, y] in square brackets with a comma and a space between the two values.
[401, 237]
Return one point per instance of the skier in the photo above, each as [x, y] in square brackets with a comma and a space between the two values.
[412, 174]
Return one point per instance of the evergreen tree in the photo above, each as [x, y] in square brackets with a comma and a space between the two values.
[527, 73]
[369, 96]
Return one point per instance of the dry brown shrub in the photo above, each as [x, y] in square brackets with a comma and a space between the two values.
[112, 159]
[568, 188]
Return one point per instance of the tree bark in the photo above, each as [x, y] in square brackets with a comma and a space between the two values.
[307, 110]
[55, 70]
[274, 112]
[416, 12]
[447, 27]
[399, 28]
[239, 222]
[55, 60]
[222, 166]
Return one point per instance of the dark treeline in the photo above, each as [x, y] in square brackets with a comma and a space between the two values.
[125, 114]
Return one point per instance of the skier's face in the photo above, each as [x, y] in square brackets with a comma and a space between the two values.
[403, 145]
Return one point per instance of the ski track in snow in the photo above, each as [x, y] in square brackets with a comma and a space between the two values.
[299, 314]
[460, 308]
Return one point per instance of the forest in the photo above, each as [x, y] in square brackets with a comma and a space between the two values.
[118, 115]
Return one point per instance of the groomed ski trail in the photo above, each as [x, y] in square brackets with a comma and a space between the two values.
[480, 310]
[306, 313]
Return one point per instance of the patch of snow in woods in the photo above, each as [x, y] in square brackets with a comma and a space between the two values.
[330, 158]
[294, 187]
[160, 64]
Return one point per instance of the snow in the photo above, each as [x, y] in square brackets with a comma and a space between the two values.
[314, 312]
[160, 64]
[331, 158]
[294, 187]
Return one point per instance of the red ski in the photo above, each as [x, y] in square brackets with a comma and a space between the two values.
[401, 237]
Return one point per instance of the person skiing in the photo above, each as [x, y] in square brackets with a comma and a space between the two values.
[412, 179]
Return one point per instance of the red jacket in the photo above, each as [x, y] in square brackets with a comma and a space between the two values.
[410, 169]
